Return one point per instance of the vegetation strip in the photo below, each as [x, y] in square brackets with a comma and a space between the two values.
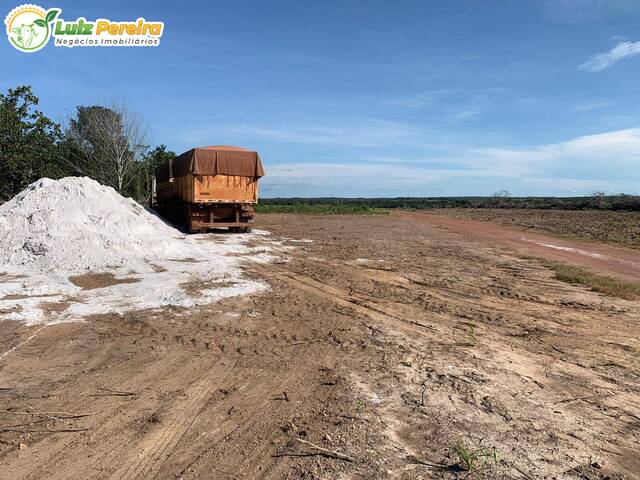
[598, 283]
[501, 200]
[319, 208]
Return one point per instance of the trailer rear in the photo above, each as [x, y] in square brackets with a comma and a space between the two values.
[209, 187]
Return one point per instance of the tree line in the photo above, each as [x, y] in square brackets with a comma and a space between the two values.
[619, 202]
[105, 142]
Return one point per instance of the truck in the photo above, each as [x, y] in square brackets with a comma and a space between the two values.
[209, 187]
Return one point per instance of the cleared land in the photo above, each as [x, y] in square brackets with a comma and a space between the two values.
[387, 347]
[600, 225]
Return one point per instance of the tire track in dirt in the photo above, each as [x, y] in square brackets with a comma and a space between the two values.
[337, 296]
[527, 364]
[254, 395]
[110, 428]
[618, 262]
[148, 457]
[473, 305]
[138, 452]
[552, 373]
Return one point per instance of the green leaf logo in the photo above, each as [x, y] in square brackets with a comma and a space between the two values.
[51, 15]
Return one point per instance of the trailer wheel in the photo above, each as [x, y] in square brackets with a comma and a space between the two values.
[247, 229]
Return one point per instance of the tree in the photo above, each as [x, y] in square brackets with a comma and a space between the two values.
[106, 143]
[157, 157]
[600, 199]
[501, 199]
[28, 142]
[151, 160]
[502, 194]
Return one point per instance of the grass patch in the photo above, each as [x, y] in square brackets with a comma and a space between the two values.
[319, 208]
[469, 338]
[474, 458]
[597, 283]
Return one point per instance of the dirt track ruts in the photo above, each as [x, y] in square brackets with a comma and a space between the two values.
[383, 339]
[614, 261]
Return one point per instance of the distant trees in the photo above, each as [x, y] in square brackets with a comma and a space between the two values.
[28, 142]
[156, 157]
[620, 202]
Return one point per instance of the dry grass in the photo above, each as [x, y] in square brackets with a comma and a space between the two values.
[597, 283]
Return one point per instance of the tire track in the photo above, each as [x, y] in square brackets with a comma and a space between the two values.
[147, 459]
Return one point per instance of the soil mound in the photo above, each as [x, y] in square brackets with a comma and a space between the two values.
[76, 223]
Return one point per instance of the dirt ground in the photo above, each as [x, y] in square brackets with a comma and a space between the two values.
[387, 347]
[622, 228]
[605, 259]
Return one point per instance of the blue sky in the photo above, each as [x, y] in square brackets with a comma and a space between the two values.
[374, 98]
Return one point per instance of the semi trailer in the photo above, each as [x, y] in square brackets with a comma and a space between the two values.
[209, 187]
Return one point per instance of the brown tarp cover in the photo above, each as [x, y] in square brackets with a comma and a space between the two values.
[214, 160]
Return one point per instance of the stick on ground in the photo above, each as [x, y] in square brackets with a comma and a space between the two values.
[327, 453]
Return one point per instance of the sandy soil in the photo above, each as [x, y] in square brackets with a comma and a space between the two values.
[618, 262]
[621, 228]
[386, 341]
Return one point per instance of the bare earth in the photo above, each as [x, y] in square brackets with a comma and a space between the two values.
[622, 228]
[618, 262]
[385, 341]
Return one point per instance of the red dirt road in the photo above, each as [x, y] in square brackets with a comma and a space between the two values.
[618, 262]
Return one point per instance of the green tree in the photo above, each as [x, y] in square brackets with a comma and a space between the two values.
[145, 170]
[28, 142]
[152, 160]
[157, 157]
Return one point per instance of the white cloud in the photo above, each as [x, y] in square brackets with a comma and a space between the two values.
[603, 154]
[357, 179]
[604, 60]
[620, 145]
[419, 100]
[604, 161]
[587, 107]
[450, 105]
[619, 38]
[465, 114]
[358, 133]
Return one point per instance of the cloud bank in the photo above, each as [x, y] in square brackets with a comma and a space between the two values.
[605, 161]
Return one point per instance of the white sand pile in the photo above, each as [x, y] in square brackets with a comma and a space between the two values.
[57, 229]
[76, 223]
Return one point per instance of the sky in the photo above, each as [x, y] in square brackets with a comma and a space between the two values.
[373, 98]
